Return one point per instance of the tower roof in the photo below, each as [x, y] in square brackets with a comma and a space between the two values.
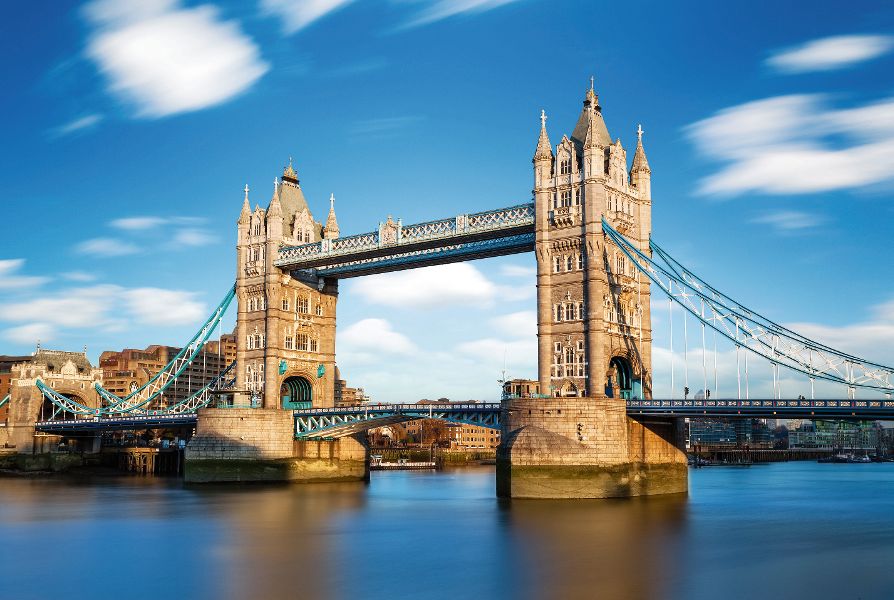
[289, 197]
[590, 119]
[245, 215]
[639, 158]
[544, 148]
[331, 221]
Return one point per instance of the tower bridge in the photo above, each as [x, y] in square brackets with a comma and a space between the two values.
[598, 432]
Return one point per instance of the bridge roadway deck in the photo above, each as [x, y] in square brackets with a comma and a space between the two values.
[338, 422]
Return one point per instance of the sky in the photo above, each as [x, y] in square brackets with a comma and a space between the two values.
[129, 129]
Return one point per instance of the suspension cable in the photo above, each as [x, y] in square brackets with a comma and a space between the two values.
[670, 318]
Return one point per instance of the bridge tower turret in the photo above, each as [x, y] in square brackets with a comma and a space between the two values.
[286, 322]
[593, 331]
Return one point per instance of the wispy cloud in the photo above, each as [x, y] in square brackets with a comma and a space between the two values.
[517, 324]
[797, 144]
[30, 334]
[165, 59]
[102, 307]
[194, 237]
[138, 223]
[106, 247]
[445, 285]
[10, 278]
[518, 271]
[830, 53]
[81, 124]
[437, 10]
[789, 221]
[298, 14]
[79, 276]
[371, 338]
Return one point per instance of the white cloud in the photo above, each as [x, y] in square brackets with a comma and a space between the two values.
[443, 285]
[155, 306]
[165, 59]
[9, 280]
[516, 356]
[194, 237]
[79, 276]
[374, 337]
[796, 144]
[517, 324]
[789, 220]
[106, 247]
[298, 14]
[83, 123]
[81, 307]
[518, 271]
[138, 223]
[831, 53]
[443, 9]
[30, 334]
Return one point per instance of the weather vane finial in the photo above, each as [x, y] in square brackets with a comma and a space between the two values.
[245, 189]
[639, 132]
[542, 118]
[592, 83]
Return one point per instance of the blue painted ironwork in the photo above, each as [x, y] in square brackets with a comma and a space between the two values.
[785, 409]
[118, 423]
[5, 400]
[503, 246]
[396, 239]
[749, 330]
[200, 399]
[338, 422]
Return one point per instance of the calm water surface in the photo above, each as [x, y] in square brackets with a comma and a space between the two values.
[793, 530]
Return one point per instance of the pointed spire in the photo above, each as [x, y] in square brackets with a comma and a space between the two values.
[289, 174]
[639, 158]
[544, 148]
[245, 215]
[331, 231]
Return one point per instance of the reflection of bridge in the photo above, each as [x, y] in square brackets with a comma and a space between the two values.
[590, 229]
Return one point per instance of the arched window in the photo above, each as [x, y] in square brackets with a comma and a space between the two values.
[569, 263]
[580, 313]
[577, 197]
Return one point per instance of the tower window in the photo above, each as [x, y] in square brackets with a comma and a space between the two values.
[569, 263]
[289, 343]
[577, 197]
[565, 166]
[580, 260]
[285, 304]
[557, 264]
[313, 345]
[304, 305]
[319, 309]
[566, 198]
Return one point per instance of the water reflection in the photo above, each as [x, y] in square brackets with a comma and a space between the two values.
[608, 549]
[792, 530]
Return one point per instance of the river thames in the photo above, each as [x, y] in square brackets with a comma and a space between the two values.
[787, 530]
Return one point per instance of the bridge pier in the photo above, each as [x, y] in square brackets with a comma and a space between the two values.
[256, 444]
[587, 448]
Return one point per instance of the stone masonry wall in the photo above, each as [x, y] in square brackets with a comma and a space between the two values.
[242, 433]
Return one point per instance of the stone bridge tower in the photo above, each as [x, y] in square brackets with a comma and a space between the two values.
[286, 323]
[594, 335]
[594, 330]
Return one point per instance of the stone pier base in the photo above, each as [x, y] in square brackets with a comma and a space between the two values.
[244, 445]
[587, 448]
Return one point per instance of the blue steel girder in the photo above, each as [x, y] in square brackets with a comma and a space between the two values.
[340, 422]
[99, 424]
[418, 243]
[503, 246]
[762, 408]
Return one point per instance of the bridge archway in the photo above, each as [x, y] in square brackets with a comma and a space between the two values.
[48, 410]
[296, 392]
[620, 382]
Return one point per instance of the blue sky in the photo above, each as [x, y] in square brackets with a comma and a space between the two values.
[130, 128]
